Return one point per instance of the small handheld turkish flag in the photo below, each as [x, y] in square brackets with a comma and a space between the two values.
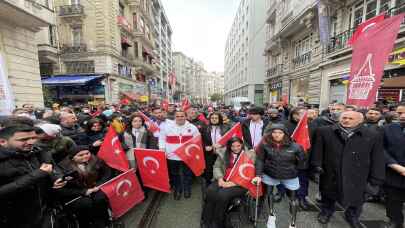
[202, 118]
[165, 105]
[152, 167]
[192, 154]
[185, 104]
[123, 192]
[242, 174]
[301, 133]
[153, 127]
[234, 131]
[112, 153]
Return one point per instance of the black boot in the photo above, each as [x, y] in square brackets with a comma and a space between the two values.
[177, 195]
[187, 194]
[323, 217]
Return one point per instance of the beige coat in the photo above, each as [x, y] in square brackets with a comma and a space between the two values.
[219, 166]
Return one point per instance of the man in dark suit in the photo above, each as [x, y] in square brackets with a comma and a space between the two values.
[394, 141]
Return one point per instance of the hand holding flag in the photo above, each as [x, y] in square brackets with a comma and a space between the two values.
[301, 133]
[112, 153]
[152, 126]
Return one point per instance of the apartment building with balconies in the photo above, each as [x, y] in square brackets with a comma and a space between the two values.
[182, 70]
[244, 69]
[20, 23]
[163, 40]
[301, 68]
[110, 41]
[293, 52]
[345, 17]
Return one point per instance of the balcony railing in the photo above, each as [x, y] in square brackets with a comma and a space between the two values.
[339, 41]
[275, 71]
[302, 59]
[396, 10]
[74, 48]
[70, 10]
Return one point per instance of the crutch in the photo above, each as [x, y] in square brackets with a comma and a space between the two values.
[257, 203]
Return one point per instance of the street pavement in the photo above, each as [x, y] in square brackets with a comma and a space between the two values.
[187, 213]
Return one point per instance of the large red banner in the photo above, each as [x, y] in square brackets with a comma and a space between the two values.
[370, 53]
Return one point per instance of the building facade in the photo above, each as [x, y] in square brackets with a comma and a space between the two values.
[163, 41]
[302, 69]
[118, 41]
[244, 61]
[182, 69]
[20, 22]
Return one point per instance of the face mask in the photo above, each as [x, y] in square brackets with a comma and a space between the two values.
[335, 115]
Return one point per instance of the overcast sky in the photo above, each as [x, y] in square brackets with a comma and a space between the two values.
[200, 28]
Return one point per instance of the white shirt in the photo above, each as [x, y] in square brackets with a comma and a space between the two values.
[172, 129]
[215, 134]
[256, 129]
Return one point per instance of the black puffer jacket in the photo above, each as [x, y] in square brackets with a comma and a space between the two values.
[23, 188]
[280, 162]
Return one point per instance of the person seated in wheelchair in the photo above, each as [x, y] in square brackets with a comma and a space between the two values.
[221, 192]
[84, 172]
[278, 161]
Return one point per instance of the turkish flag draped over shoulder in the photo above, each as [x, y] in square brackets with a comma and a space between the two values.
[370, 53]
[301, 133]
[191, 153]
[185, 104]
[152, 167]
[363, 27]
[242, 174]
[236, 130]
[123, 192]
[112, 153]
[152, 126]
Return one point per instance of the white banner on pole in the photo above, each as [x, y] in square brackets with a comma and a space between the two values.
[6, 94]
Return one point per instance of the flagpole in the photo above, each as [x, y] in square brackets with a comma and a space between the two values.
[234, 165]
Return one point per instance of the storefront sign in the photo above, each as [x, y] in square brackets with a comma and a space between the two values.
[389, 94]
[397, 57]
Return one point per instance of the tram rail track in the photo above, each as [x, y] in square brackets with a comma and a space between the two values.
[151, 211]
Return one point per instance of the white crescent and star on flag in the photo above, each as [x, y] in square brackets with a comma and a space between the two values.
[152, 159]
[242, 169]
[187, 150]
[120, 185]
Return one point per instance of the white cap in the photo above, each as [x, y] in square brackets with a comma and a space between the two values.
[50, 129]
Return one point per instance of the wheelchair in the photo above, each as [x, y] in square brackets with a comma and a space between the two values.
[240, 210]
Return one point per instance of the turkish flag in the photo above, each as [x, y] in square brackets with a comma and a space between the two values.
[370, 53]
[152, 126]
[364, 27]
[185, 104]
[301, 133]
[165, 105]
[191, 153]
[152, 167]
[112, 153]
[236, 130]
[202, 118]
[242, 174]
[123, 192]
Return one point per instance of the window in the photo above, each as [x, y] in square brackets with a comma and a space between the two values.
[75, 2]
[136, 50]
[371, 9]
[52, 35]
[122, 10]
[77, 36]
[358, 16]
[384, 5]
[80, 67]
[135, 21]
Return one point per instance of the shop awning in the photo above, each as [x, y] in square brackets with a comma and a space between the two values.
[395, 82]
[70, 80]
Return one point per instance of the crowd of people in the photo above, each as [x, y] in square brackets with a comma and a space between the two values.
[356, 155]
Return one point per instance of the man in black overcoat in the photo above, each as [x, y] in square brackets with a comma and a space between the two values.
[350, 158]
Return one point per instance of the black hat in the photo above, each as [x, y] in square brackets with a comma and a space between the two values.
[77, 149]
[278, 127]
[256, 111]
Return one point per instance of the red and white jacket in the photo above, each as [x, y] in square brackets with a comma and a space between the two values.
[172, 136]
